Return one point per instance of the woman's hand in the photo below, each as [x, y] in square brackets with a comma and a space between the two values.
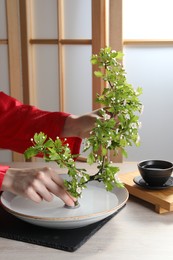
[36, 184]
[81, 126]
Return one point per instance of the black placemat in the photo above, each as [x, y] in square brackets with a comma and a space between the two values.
[63, 239]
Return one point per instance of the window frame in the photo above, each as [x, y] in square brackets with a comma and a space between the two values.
[106, 30]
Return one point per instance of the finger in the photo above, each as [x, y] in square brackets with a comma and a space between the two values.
[41, 189]
[56, 177]
[37, 186]
[32, 195]
[58, 180]
[61, 193]
[55, 184]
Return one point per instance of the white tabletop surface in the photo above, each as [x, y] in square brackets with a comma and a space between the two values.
[135, 233]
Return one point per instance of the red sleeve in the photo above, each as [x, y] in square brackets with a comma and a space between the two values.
[19, 123]
[3, 170]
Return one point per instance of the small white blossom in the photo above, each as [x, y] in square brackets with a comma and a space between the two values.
[70, 160]
[85, 178]
[78, 190]
[127, 116]
[139, 125]
[133, 125]
[117, 179]
[32, 140]
[142, 109]
[138, 139]
[79, 174]
[109, 142]
[106, 116]
[57, 137]
[87, 144]
[99, 162]
[136, 92]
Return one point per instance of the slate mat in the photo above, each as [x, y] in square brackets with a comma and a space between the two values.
[62, 239]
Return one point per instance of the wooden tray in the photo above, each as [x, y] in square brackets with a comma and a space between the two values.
[162, 199]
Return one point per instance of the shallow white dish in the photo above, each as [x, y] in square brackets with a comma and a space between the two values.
[96, 204]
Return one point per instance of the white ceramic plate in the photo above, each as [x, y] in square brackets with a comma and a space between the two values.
[96, 204]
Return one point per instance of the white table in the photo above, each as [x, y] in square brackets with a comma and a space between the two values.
[135, 233]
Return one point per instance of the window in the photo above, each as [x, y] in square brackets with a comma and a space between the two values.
[148, 48]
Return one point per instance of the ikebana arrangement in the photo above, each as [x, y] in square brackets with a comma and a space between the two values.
[115, 128]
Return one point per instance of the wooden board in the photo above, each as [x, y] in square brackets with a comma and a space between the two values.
[162, 199]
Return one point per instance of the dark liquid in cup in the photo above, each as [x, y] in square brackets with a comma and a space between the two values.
[153, 167]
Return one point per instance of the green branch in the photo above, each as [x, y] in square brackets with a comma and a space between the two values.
[119, 100]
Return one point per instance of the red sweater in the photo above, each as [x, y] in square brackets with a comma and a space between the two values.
[19, 123]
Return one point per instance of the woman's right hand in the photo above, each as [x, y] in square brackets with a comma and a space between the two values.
[36, 184]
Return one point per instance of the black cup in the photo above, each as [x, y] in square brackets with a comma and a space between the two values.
[155, 172]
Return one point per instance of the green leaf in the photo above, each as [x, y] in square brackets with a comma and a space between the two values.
[90, 158]
[49, 143]
[40, 138]
[124, 153]
[98, 74]
[119, 55]
[94, 60]
[30, 152]
[104, 151]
